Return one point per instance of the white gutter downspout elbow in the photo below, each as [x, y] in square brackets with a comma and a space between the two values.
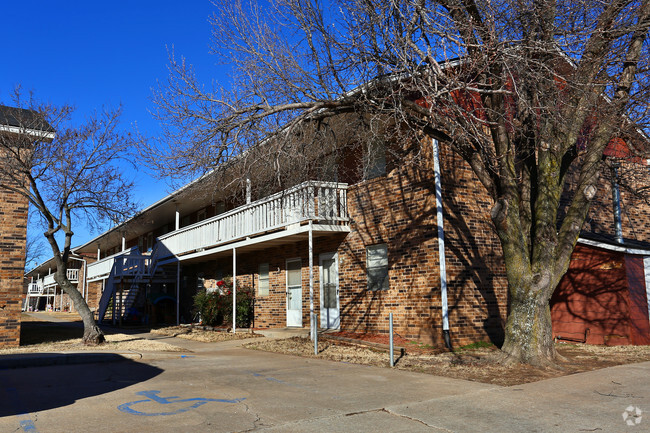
[441, 245]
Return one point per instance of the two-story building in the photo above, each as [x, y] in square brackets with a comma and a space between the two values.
[412, 239]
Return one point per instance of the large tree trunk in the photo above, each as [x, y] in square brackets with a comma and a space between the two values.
[93, 335]
[529, 333]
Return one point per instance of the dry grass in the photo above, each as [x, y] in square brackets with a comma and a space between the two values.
[470, 364]
[114, 343]
[201, 335]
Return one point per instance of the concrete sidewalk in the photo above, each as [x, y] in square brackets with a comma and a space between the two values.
[235, 389]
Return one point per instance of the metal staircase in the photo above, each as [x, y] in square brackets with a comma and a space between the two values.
[130, 269]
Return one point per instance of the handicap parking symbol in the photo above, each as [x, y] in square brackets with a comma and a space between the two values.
[185, 403]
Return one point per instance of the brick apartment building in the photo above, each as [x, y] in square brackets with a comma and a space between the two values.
[371, 243]
[15, 124]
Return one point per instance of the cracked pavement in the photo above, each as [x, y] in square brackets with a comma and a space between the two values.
[222, 387]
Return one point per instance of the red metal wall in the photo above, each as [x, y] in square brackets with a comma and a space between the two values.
[639, 323]
[596, 294]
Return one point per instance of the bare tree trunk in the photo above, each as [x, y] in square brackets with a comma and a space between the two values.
[93, 335]
[528, 332]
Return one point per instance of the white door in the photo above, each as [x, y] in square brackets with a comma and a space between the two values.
[329, 292]
[294, 292]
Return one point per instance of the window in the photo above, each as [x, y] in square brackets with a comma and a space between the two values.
[185, 221]
[377, 266]
[200, 216]
[219, 207]
[294, 273]
[375, 160]
[149, 241]
[263, 286]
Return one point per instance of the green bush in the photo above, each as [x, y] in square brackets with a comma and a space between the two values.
[216, 308]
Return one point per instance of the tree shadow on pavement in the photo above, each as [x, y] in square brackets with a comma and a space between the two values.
[35, 389]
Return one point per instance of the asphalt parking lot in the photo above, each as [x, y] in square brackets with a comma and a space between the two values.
[222, 387]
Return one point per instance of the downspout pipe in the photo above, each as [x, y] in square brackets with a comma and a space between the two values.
[83, 283]
[441, 245]
[616, 199]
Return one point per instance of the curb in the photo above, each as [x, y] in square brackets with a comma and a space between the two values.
[49, 359]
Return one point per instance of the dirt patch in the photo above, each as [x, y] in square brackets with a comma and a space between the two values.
[476, 364]
[114, 343]
[204, 336]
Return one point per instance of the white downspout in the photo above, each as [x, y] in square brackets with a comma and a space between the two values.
[83, 283]
[312, 320]
[234, 290]
[441, 245]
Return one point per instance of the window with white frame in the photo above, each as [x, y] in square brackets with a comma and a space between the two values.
[263, 284]
[377, 267]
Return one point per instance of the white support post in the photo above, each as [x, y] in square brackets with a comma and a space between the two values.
[123, 243]
[312, 322]
[178, 293]
[234, 290]
[114, 305]
[248, 191]
[178, 219]
[99, 253]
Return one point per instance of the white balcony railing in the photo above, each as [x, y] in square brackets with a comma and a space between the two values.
[125, 263]
[73, 275]
[324, 202]
[35, 288]
[48, 280]
[321, 201]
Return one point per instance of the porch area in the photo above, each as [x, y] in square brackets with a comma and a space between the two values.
[307, 211]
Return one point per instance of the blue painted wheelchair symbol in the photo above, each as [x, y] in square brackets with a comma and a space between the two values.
[152, 396]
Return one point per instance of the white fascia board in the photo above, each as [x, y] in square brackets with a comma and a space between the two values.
[28, 131]
[617, 248]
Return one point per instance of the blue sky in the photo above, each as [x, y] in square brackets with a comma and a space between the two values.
[90, 54]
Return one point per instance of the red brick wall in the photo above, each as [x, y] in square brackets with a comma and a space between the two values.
[13, 229]
[399, 210]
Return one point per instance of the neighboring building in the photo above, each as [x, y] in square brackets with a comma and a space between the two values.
[44, 294]
[374, 251]
[15, 123]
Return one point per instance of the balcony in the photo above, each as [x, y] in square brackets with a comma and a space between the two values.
[125, 263]
[72, 274]
[35, 288]
[322, 203]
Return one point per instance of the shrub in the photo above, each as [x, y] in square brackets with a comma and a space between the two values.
[215, 307]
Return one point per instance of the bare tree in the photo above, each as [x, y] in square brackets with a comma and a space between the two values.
[34, 251]
[70, 173]
[524, 91]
